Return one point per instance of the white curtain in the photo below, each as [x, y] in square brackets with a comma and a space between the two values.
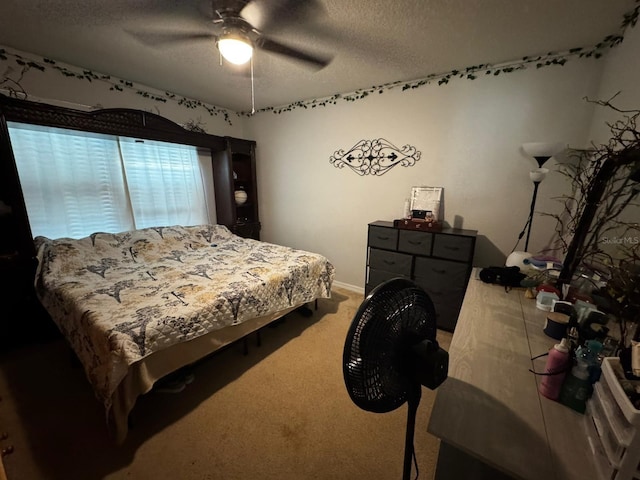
[77, 183]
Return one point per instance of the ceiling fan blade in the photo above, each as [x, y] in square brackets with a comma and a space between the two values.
[275, 15]
[319, 61]
[163, 38]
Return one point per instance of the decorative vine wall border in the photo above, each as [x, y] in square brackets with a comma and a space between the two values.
[470, 73]
[25, 65]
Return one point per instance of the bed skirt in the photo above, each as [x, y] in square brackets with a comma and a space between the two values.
[143, 374]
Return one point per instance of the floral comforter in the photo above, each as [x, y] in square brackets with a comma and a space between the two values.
[120, 297]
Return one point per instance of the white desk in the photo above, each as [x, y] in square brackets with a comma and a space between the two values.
[489, 408]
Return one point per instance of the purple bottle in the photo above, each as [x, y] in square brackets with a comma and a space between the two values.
[556, 369]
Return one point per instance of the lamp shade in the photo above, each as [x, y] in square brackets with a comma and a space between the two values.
[235, 48]
[538, 174]
[542, 151]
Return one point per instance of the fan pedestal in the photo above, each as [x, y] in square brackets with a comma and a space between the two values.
[413, 401]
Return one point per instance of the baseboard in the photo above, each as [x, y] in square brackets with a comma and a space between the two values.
[347, 286]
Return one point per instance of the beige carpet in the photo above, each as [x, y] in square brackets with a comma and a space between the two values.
[280, 412]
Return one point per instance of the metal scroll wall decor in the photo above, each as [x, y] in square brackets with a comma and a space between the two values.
[374, 157]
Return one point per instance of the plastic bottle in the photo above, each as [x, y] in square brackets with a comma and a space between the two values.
[577, 387]
[556, 370]
[590, 355]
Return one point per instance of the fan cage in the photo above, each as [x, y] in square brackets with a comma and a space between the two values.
[377, 360]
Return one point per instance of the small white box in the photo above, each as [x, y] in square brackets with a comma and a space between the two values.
[613, 426]
[612, 373]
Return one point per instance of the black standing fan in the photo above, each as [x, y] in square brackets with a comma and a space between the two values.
[391, 351]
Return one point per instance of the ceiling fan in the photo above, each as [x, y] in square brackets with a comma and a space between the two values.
[241, 27]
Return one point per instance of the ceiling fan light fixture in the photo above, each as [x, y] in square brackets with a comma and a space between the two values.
[235, 48]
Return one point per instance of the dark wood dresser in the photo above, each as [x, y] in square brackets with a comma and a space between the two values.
[439, 262]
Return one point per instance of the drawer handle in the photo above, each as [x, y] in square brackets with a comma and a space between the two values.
[413, 242]
[382, 238]
[441, 272]
[389, 262]
[451, 248]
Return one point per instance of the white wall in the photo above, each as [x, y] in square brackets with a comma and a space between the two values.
[469, 133]
[621, 77]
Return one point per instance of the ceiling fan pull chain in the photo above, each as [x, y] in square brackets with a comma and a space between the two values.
[253, 98]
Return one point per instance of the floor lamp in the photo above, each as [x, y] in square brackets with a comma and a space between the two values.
[541, 152]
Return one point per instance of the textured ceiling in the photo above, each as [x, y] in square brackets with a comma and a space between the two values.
[372, 42]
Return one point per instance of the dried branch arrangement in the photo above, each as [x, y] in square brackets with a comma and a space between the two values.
[598, 227]
[604, 183]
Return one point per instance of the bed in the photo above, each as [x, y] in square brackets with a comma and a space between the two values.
[138, 305]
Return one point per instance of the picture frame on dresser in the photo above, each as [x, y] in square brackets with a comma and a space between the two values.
[427, 199]
[440, 262]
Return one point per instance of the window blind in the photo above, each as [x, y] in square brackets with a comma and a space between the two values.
[77, 183]
[164, 182]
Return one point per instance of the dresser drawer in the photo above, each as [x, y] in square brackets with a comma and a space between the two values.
[376, 277]
[447, 304]
[392, 262]
[440, 273]
[382, 237]
[453, 247]
[415, 242]
[442, 295]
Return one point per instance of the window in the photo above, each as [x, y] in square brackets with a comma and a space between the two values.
[164, 182]
[77, 183]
